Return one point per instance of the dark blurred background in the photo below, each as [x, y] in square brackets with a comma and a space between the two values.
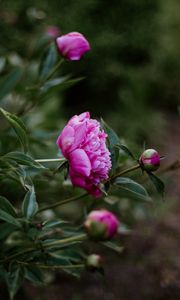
[131, 79]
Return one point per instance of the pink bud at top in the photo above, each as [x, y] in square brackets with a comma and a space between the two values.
[150, 160]
[93, 262]
[72, 46]
[52, 31]
[101, 224]
[83, 143]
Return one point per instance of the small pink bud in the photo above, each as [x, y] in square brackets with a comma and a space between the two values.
[39, 226]
[72, 46]
[150, 160]
[101, 224]
[52, 31]
[94, 262]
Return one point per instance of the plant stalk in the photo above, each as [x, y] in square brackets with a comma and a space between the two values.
[62, 202]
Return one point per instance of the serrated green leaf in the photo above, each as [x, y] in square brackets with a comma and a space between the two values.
[29, 205]
[8, 218]
[48, 61]
[22, 159]
[132, 187]
[14, 280]
[18, 127]
[158, 183]
[6, 206]
[10, 81]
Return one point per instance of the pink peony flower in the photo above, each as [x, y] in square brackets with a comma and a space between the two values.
[150, 160]
[83, 143]
[101, 224]
[52, 31]
[72, 46]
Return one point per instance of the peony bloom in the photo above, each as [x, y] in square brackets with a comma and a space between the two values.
[83, 143]
[72, 46]
[150, 160]
[101, 224]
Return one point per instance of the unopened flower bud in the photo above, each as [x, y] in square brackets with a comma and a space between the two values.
[39, 226]
[101, 224]
[150, 160]
[94, 262]
[52, 32]
[72, 46]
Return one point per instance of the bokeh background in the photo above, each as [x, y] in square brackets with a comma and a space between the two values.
[131, 77]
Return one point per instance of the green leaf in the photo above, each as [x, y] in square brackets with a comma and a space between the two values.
[112, 136]
[22, 159]
[8, 218]
[126, 150]
[53, 223]
[113, 142]
[158, 183]
[14, 280]
[10, 81]
[53, 84]
[113, 246]
[132, 188]
[34, 274]
[48, 61]
[30, 205]
[6, 206]
[5, 230]
[18, 127]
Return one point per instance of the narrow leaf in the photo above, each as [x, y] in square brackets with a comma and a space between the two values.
[158, 183]
[6, 206]
[22, 159]
[126, 150]
[18, 127]
[131, 187]
[30, 205]
[8, 218]
[14, 280]
[48, 61]
[10, 81]
[113, 141]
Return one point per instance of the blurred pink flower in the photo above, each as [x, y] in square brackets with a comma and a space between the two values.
[83, 143]
[52, 31]
[101, 224]
[72, 46]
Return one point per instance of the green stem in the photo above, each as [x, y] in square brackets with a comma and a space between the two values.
[50, 267]
[125, 171]
[54, 69]
[80, 237]
[50, 160]
[62, 202]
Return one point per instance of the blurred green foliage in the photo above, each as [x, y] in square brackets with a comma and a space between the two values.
[132, 71]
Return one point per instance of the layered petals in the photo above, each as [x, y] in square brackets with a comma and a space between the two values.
[83, 143]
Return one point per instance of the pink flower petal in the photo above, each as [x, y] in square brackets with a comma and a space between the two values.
[79, 162]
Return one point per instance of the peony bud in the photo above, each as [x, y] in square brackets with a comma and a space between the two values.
[72, 46]
[94, 262]
[52, 31]
[101, 224]
[150, 160]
